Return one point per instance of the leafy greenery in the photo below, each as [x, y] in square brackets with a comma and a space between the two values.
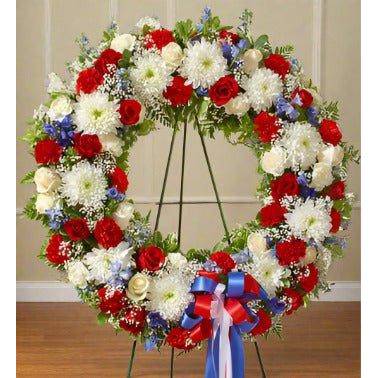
[183, 31]
[286, 50]
[28, 178]
[330, 110]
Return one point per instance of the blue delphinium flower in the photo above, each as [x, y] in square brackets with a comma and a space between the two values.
[312, 114]
[229, 51]
[150, 343]
[341, 242]
[285, 109]
[210, 266]
[113, 193]
[242, 256]
[206, 14]
[156, 321]
[56, 218]
[276, 306]
[242, 44]
[119, 276]
[202, 92]
[304, 189]
[61, 130]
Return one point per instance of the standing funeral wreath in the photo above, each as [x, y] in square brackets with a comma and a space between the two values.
[218, 79]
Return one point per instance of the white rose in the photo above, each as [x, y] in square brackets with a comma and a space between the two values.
[77, 274]
[123, 214]
[123, 42]
[309, 257]
[59, 108]
[332, 155]
[111, 143]
[44, 202]
[321, 176]
[55, 84]
[251, 59]
[46, 180]
[256, 243]
[238, 106]
[172, 55]
[138, 286]
[274, 161]
[177, 259]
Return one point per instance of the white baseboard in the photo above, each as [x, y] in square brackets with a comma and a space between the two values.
[54, 291]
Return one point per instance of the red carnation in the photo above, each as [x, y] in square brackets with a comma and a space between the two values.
[224, 90]
[228, 36]
[223, 260]
[290, 252]
[108, 56]
[107, 233]
[308, 277]
[159, 38]
[335, 220]
[151, 258]
[77, 229]
[47, 151]
[111, 302]
[336, 190]
[272, 215]
[131, 112]
[286, 185]
[266, 126]
[179, 338]
[278, 64]
[88, 80]
[87, 145]
[330, 132]
[133, 320]
[119, 179]
[293, 300]
[57, 250]
[265, 322]
[178, 93]
[305, 96]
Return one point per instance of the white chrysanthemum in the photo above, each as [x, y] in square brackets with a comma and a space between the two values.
[203, 64]
[85, 184]
[169, 295]
[268, 272]
[99, 261]
[309, 220]
[302, 143]
[150, 22]
[262, 88]
[95, 114]
[150, 76]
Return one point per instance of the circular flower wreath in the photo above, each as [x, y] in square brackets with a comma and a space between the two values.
[220, 80]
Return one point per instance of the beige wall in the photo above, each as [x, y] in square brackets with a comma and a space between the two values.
[45, 34]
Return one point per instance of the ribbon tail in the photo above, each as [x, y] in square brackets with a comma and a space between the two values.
[212, 358]
[237, 353]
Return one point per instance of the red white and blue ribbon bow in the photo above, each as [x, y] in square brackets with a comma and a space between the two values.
[219, 313]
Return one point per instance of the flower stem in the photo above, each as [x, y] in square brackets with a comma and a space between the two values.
[131, 359]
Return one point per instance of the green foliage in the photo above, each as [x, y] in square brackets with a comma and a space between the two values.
[261, 42]
[344, 207]
[28, 178]
[125, 61]
[330, 110]
[336, 251]
[350, 154]
[286, 50]
[102, 318]
[170, 243]
[34, 133]
[245, 23]
[200, 255]
[183, 31]
[30, 210]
